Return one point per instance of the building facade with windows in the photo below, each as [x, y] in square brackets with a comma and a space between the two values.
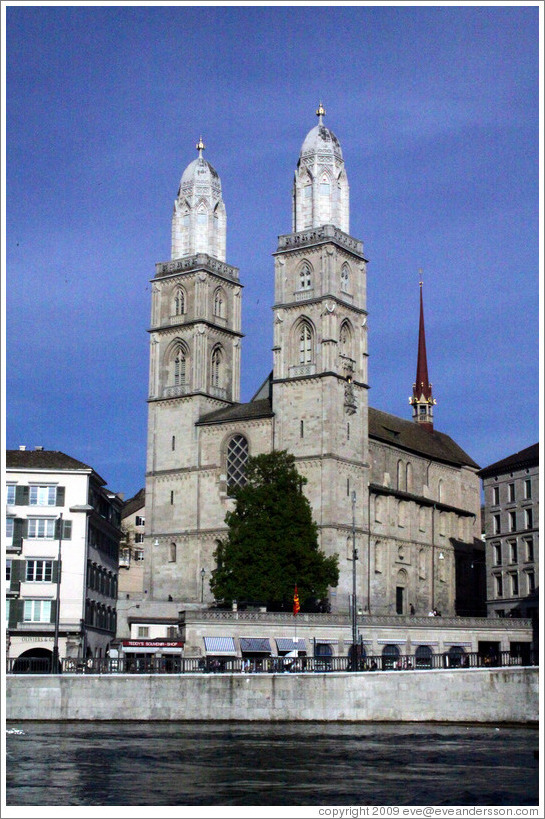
[61, 546]
[407, 493]
[511, 525]
[131, 547]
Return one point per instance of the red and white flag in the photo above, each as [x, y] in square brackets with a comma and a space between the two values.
[296, 604]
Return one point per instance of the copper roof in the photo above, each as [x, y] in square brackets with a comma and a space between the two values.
[412, 437]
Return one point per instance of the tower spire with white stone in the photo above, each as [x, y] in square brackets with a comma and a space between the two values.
[320, 187]
[199, 222]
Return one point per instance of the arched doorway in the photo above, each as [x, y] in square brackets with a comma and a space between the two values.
[33, 661]
[360, 657]
[423, 657]
[454, 657]
[323, 656]
[390, 656]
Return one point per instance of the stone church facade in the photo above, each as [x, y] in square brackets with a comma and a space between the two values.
[406, 492]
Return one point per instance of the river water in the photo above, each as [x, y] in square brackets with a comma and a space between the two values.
[267, 764]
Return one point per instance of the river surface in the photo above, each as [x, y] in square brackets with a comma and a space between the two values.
[264, 764]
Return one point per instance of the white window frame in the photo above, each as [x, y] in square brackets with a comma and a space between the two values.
[43, 495]
[37, 524]
[37, 571]
[10, 494]
[37, 611]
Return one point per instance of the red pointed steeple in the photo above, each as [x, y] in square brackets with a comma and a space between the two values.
[422, 399]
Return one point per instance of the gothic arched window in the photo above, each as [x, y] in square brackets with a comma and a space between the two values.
[345, 278]
[400, 475]
[237, 457]
[345, 339]
[180, 367]
[215, 375]
[179, 302]
[219, 303]
[305, 276]
[305, 344]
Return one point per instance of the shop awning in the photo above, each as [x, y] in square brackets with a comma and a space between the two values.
[286, 644]
[224, 646]
[256, 645]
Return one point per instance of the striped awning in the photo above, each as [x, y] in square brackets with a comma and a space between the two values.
[287, 644]
[255, 644]
[220, 645]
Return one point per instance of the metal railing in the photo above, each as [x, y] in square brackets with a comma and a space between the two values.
[269, 665]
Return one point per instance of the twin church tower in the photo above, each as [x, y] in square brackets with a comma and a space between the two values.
[313, 403]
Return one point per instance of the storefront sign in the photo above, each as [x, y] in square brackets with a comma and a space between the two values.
[152, 644]
[37, 639]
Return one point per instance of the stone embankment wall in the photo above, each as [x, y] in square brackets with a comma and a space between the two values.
[472, 695]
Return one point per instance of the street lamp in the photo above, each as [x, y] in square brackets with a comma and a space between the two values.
[203, 572]
[55, 662]
[354, 608]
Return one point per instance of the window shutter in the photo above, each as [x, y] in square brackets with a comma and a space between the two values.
[60, 495]
[53, 611]
[55, 571]
[21, 495]
[20, 531]
[67, 530]
[17, 574]
[15, 613]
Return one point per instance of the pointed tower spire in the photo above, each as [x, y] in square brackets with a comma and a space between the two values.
[320, 113]
[422, 400]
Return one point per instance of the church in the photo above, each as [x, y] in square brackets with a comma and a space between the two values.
[406, 495]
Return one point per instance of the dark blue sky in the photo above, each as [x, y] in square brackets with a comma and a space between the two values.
[436, 109]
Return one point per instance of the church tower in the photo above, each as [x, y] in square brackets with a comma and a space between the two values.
[320, 349]
[195, 346]
[422, 400]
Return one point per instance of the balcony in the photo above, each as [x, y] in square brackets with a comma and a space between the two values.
[176, 391]
[304, 295]
[302, 369]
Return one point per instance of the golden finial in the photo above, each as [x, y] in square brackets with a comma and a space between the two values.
[320, 112]
[200, 146]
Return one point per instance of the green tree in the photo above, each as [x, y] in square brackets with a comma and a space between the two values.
[272, 541]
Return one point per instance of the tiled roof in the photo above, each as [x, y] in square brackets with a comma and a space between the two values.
[526, 457]
[239, 412]
[134, 504]
[409, 435]
[42, 459]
